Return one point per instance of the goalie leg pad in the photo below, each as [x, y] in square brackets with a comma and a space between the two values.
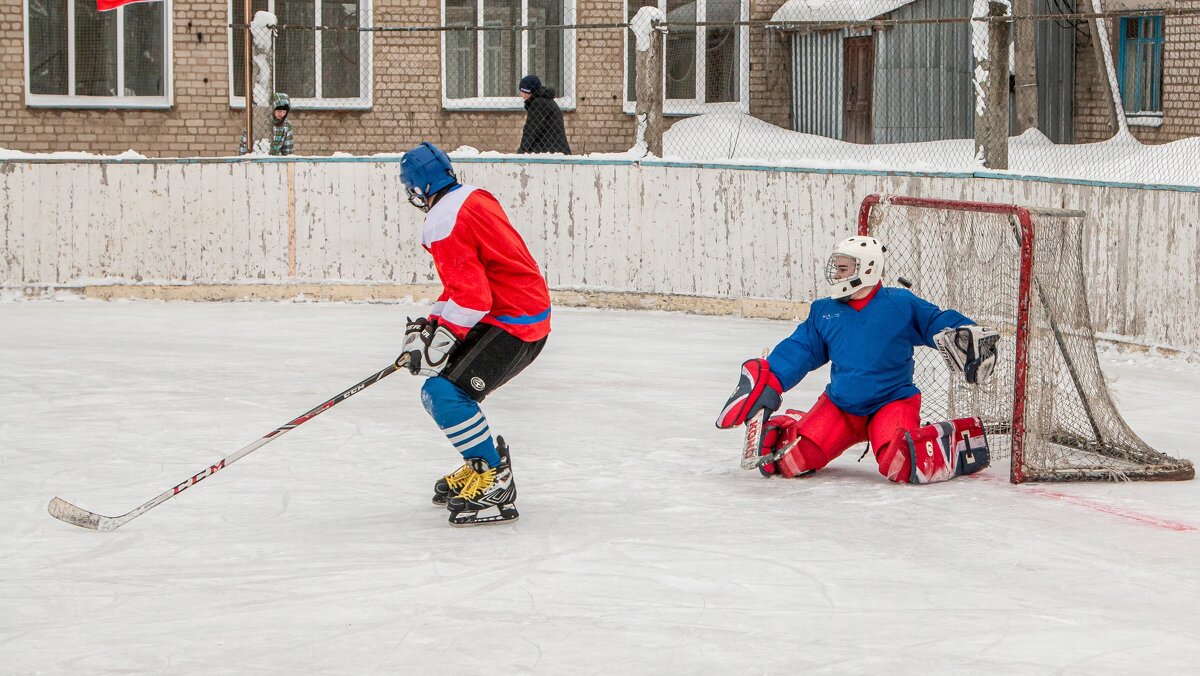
[947, 449]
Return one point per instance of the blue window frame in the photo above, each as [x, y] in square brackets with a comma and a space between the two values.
[1140, 64]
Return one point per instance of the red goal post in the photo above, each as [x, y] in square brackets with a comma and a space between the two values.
[1021, 271]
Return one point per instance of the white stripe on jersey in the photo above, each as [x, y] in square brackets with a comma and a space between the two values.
[462, 316]
[440, 220]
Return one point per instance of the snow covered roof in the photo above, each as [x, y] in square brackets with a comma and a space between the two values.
[800, 11]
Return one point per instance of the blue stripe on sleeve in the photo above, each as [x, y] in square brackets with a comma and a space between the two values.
[525, 319]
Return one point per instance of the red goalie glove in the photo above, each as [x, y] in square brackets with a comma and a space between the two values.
[757, 388]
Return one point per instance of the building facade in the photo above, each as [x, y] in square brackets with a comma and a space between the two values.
[166, 78]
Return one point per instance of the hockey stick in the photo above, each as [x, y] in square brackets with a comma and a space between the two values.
[65, 511]
[777, 454]
[755, 427]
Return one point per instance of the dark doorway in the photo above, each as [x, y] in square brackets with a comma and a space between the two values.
[858, 86]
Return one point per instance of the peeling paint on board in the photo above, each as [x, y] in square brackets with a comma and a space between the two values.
[612, 227]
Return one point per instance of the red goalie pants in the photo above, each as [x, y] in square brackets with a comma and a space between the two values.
[827, 432]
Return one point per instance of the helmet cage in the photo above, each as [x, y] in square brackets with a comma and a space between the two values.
[425, 171]
[417, 198]
[834, 274]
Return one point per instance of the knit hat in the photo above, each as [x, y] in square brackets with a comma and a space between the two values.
[530, 84]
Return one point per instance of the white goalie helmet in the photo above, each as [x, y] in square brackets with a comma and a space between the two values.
[856, 263]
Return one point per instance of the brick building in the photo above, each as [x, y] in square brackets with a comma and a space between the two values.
[165, 78]
[1157, 63]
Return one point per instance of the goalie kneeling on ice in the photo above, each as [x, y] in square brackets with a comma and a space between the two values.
[943, 450]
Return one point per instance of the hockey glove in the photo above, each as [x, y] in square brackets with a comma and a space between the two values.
[427, 347]
[970, 350]
[757, 389]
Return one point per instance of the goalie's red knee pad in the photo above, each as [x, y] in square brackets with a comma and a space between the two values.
[943, 450]
[782, 430]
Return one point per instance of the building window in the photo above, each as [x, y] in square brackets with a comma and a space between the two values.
[1140, 66]
[481, 68]
[706, 67]
[318, 69]
[77, 57]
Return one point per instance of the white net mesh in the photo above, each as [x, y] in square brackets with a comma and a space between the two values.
[1048, 407]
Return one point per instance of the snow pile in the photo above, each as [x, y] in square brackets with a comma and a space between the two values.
[643, 23]
[835, 10]
[738, 137]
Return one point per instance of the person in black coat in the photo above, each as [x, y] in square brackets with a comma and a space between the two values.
[544, 132]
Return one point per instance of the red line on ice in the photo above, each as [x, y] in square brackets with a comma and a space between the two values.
[1107, 509]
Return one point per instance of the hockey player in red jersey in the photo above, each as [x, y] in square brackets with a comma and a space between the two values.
[867, 331]
[490, 322]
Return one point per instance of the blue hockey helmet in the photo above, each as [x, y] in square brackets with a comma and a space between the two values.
[425, 170]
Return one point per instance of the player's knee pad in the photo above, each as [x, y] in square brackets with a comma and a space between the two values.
[461, 419]
[445, 401]
[942, 450]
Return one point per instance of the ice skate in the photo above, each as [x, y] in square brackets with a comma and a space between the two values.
[450, 484]
[489, 495]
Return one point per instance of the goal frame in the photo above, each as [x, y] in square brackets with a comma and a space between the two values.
[1023, 218]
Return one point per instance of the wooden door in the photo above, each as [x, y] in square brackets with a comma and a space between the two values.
[858, 86]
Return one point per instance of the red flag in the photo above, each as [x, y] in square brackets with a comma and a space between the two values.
[105, 5]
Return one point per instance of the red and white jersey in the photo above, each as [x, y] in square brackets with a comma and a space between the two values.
[487, 272]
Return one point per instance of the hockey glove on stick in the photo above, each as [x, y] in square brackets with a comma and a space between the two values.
[757, 389]
[970, 350]
[427, 347]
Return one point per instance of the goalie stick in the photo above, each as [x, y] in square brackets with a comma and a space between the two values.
[65, 511]
[777, 454]
[755, 428]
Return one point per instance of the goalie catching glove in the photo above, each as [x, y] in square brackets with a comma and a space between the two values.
[757, 389]
[970, 350]
[427, 347]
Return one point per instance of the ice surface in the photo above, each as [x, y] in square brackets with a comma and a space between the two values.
[641, 549]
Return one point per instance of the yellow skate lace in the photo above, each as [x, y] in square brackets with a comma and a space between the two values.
[477, 483]
[459, 477]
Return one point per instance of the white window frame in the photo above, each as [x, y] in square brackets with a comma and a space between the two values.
[164, 102]
[565, 101]
[697, 105]
[366, 59]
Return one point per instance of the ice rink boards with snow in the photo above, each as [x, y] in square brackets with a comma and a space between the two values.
[641, 548]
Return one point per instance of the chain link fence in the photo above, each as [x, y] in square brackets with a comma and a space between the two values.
[1040, 87]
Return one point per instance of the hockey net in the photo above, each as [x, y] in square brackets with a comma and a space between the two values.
[1021, 271]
